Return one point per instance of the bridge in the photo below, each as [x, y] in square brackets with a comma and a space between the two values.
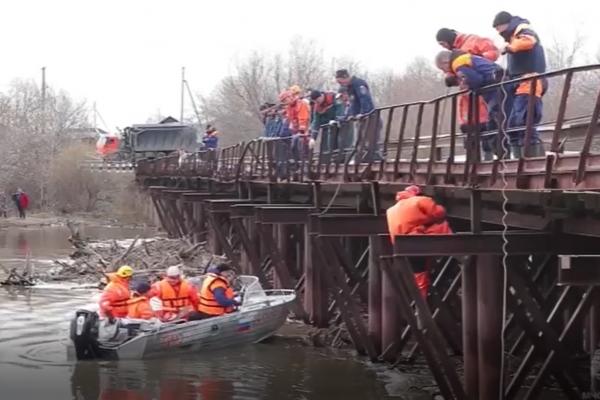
[514, 303]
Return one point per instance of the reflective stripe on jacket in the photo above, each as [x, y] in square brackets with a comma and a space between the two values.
[115, 298]
[175, 300]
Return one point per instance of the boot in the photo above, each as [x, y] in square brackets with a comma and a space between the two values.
[516, 152]
[536, 150]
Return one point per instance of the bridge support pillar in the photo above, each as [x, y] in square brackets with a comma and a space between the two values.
[315, 294]
[375, 303]
[490, 317]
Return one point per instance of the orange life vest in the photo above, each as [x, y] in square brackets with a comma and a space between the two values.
[117, 294]
[208, 303]
[139, 308]
[174, 301]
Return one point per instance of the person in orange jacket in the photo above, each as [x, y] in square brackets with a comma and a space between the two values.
[114, 301]
[298, 114]
[482, 47]
[178, 296]
[139, 305]
[216, 294]
[415, 214]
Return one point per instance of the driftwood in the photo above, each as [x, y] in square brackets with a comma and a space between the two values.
[16, 279]
[122, 256]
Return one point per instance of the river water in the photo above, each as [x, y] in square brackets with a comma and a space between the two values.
[35, 362]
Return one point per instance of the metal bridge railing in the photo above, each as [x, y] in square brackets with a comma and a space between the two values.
[398, 142]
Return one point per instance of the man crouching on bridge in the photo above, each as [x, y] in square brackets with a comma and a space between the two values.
[416, 214]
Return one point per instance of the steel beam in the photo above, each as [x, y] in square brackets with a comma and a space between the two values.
[519, 242]
[223, 206]
[349, 225]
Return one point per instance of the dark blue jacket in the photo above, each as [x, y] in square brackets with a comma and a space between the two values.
[475, 71]
[522, 62]
[210, 142]
[362, 102]
[271, 127]
[284, 128]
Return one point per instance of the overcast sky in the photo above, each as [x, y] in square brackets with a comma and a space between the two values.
[127, 55]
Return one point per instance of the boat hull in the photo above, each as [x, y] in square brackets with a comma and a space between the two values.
[234, 329]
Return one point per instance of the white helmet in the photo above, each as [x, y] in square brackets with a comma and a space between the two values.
[173, 271]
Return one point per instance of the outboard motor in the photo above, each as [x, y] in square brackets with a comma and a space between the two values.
[84, 334]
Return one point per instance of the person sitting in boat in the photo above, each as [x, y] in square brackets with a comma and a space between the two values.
[114, 301]
[139, 305]
[216, 294]
[178, 296]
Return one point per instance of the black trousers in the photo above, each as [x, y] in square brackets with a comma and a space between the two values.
[197, 315]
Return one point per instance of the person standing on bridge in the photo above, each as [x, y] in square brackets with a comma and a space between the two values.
[211, 138]
[416, 214]
[298, 114]
[482, 47]
[361, 103]
[525, 58]
[473, 73]
[325, 111]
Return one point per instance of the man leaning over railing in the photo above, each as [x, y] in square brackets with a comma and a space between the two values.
[325, 110]
[361, 104]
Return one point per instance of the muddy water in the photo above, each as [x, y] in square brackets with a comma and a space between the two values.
[35, 362]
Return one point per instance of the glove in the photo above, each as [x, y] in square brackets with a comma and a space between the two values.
[451, 80]
[334, 123]
[311, 143]
[358, 116]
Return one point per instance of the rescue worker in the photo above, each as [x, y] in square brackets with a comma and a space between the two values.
[361, 103]
[525, 57]
[114, 301]
[298, 114]
[473, 73]
[216, 293]
[211, 138]
[177, 295]
[416, 214]
[139, 304]
[325, 110]
[346, 129]
[482, 47]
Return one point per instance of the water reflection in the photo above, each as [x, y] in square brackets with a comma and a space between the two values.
[274, 371]
[51, 241]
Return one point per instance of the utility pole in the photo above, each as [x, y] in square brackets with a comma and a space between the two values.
[43, 194]
[43, 89]
[94, 118]
[182, 92]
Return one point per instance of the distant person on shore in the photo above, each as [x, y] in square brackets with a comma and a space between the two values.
[21, 202]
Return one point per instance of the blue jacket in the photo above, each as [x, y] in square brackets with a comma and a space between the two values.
[272, 126]
[476, 72]
[283, 128]
[210, 142]
[362, 102]
[523, 60]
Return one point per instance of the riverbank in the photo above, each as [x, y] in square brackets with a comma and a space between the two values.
[45, 219]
